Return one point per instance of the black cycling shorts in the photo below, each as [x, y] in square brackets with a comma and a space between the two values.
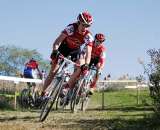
[66, 51]
[94, 61]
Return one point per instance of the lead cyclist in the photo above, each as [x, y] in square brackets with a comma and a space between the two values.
[70, 40]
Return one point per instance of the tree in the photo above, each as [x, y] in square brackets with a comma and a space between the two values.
[153, 72]
[12, 59]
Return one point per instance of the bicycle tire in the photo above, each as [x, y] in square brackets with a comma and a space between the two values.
[25, 98]
[64, 103]
[85, 101]
[58, 106]
[48, 103]
[36, 97]
[76, 96]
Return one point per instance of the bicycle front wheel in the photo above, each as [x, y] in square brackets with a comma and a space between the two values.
[50, 100]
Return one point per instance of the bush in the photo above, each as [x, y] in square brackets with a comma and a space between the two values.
[153, 72]
[6, 103]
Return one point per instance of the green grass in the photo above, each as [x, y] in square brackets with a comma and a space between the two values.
[127, 110]
[121, 112]
[122, 98]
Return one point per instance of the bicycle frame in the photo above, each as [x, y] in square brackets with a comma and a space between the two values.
[80, 91]
[28, 97]
[55, 86]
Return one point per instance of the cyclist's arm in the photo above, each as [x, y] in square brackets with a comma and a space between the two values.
[100, 65]
[88, 54]
[69, 30]
[89, 43]
[58, 41]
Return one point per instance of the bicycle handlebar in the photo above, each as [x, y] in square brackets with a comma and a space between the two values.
[66, 59]
[93, 68]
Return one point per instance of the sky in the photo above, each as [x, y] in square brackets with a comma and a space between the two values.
[131, 27]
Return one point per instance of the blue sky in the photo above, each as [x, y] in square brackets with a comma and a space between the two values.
[131, 27]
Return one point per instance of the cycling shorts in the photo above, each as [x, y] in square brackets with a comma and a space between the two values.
[30, 73]
[94, 61]
[66, 51]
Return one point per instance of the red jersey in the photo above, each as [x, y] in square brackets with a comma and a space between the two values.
[74, 39]
[99, 52]
[32, 64]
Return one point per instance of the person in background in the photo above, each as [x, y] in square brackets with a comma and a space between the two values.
[108, 77]
[32, 71]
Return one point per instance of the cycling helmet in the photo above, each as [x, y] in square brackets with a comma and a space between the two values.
[32, 60]
[100, 37]
[85, 18]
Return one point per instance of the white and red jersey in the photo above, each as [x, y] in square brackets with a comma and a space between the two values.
[74, 39]
[99, 52]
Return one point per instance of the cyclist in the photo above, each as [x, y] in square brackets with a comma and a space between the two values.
[68, 43]
[97, 58]
[32, 71]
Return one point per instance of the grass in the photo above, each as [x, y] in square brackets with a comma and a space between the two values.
[121, 112]
[122, 98]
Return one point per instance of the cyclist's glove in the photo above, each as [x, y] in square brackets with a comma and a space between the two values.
[84, 67]
[54, 54]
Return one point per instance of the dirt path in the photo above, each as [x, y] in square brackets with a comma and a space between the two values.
[119, 118]
[13, 120]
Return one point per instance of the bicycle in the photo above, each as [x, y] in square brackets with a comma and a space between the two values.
[62, 101]
[80, 93]
[55, 87]
[28, 97]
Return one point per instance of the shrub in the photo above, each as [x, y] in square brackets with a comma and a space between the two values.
[153, 72]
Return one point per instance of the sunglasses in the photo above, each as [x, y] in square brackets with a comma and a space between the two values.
[97, 42]
[85, 25]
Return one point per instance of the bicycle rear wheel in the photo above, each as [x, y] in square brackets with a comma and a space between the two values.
[49, 101]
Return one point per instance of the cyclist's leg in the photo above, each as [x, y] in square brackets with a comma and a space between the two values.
[28, 74]
[93, 84]
[74, 77]
[48, 80]
[63, 49]
[96, 76]
[35, 87]
[75, 57]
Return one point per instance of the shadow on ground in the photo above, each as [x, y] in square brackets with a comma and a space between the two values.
[124, 108]
[120, 122]
[148, 123]
[14, 118]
